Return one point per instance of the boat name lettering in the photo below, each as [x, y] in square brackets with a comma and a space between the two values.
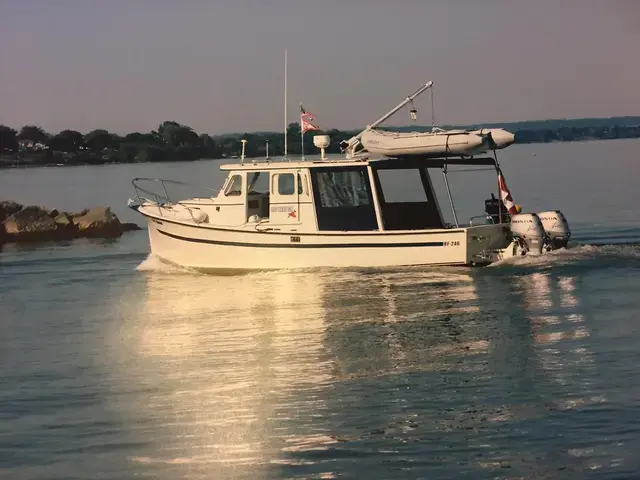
[281, 209]
[295, 239]
[455, 243]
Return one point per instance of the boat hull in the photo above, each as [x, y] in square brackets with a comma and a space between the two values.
[209, 248]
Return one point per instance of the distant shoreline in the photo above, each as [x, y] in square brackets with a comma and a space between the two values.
[6, 163]
[172, 142]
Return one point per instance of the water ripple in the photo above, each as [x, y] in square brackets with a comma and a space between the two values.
[525, 370]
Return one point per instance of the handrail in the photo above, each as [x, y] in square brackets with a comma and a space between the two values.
[484, 217]
[157, 198]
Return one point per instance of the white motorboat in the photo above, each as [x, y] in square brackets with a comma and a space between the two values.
[338, 213]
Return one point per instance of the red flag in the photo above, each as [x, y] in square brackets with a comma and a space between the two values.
[505, 195]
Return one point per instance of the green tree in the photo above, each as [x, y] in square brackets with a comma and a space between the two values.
[68, 141]
[142, 138]
[293, 130]
[206, 141]
[98, 140]
[165, 131]
[209, 147]
[176, 135]
[8, 139]
[33, 133]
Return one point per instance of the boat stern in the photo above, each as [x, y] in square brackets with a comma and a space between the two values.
[484, 241]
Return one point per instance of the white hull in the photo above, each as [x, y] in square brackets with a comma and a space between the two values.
[211, 248]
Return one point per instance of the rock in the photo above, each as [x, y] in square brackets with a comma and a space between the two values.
[8, 208]
[66, 227]
[80, 214]
[129, 227]
[63, 220]
[98, 222]
[32, 223]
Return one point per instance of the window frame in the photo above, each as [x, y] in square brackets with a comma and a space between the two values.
[231, 183]
[293, 189]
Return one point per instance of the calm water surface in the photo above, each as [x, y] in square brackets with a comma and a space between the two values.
[113, 366]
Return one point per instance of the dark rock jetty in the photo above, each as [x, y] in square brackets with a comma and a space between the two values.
[20, 223]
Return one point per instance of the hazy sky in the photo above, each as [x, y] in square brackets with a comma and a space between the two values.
[217, 65]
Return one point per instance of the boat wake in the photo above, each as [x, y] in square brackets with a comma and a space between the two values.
[156, 265]
[588, 256]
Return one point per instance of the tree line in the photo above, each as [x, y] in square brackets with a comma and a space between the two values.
[171, 141]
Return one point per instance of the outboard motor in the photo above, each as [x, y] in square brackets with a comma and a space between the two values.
[528, 230]
[556, 227]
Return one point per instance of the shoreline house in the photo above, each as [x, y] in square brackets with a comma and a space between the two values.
[30, 145]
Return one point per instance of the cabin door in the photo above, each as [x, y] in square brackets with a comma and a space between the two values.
[285, 203]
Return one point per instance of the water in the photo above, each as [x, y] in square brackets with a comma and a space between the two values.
[114, 366]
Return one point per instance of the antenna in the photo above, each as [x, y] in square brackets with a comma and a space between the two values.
[244, 142]
[433, 113]
[285, 104]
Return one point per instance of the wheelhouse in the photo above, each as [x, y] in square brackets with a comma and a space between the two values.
[389, 194]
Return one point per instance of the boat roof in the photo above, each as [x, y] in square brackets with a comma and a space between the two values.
[409, 161]
[262, 164]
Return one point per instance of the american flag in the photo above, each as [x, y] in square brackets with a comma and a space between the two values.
[305, 121]
[304, 113]
[307, 126]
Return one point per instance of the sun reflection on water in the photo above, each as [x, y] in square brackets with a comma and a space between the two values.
[221, 357]
[270, 374]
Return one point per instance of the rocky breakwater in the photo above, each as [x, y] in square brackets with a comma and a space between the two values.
[19, 223]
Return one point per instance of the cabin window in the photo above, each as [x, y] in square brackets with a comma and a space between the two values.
[300, 189]
[258, 200]
[344, 188]
[257, 183]
[402, 186]
[343, 199]
[407, 200]
[234, 187]
[286, 184]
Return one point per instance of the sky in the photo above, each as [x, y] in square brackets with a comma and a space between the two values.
[218, 65]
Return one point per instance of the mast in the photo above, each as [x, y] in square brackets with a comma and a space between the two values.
[301, 134]
[285, 104]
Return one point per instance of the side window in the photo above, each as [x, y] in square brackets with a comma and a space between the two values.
[257, 183]
[348, 188]
[300, 191]
[402, 186]
[234, 188]
[286, 184]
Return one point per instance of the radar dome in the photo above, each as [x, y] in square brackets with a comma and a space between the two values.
[321, 141]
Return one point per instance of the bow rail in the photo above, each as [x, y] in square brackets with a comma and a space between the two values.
[160, 197]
